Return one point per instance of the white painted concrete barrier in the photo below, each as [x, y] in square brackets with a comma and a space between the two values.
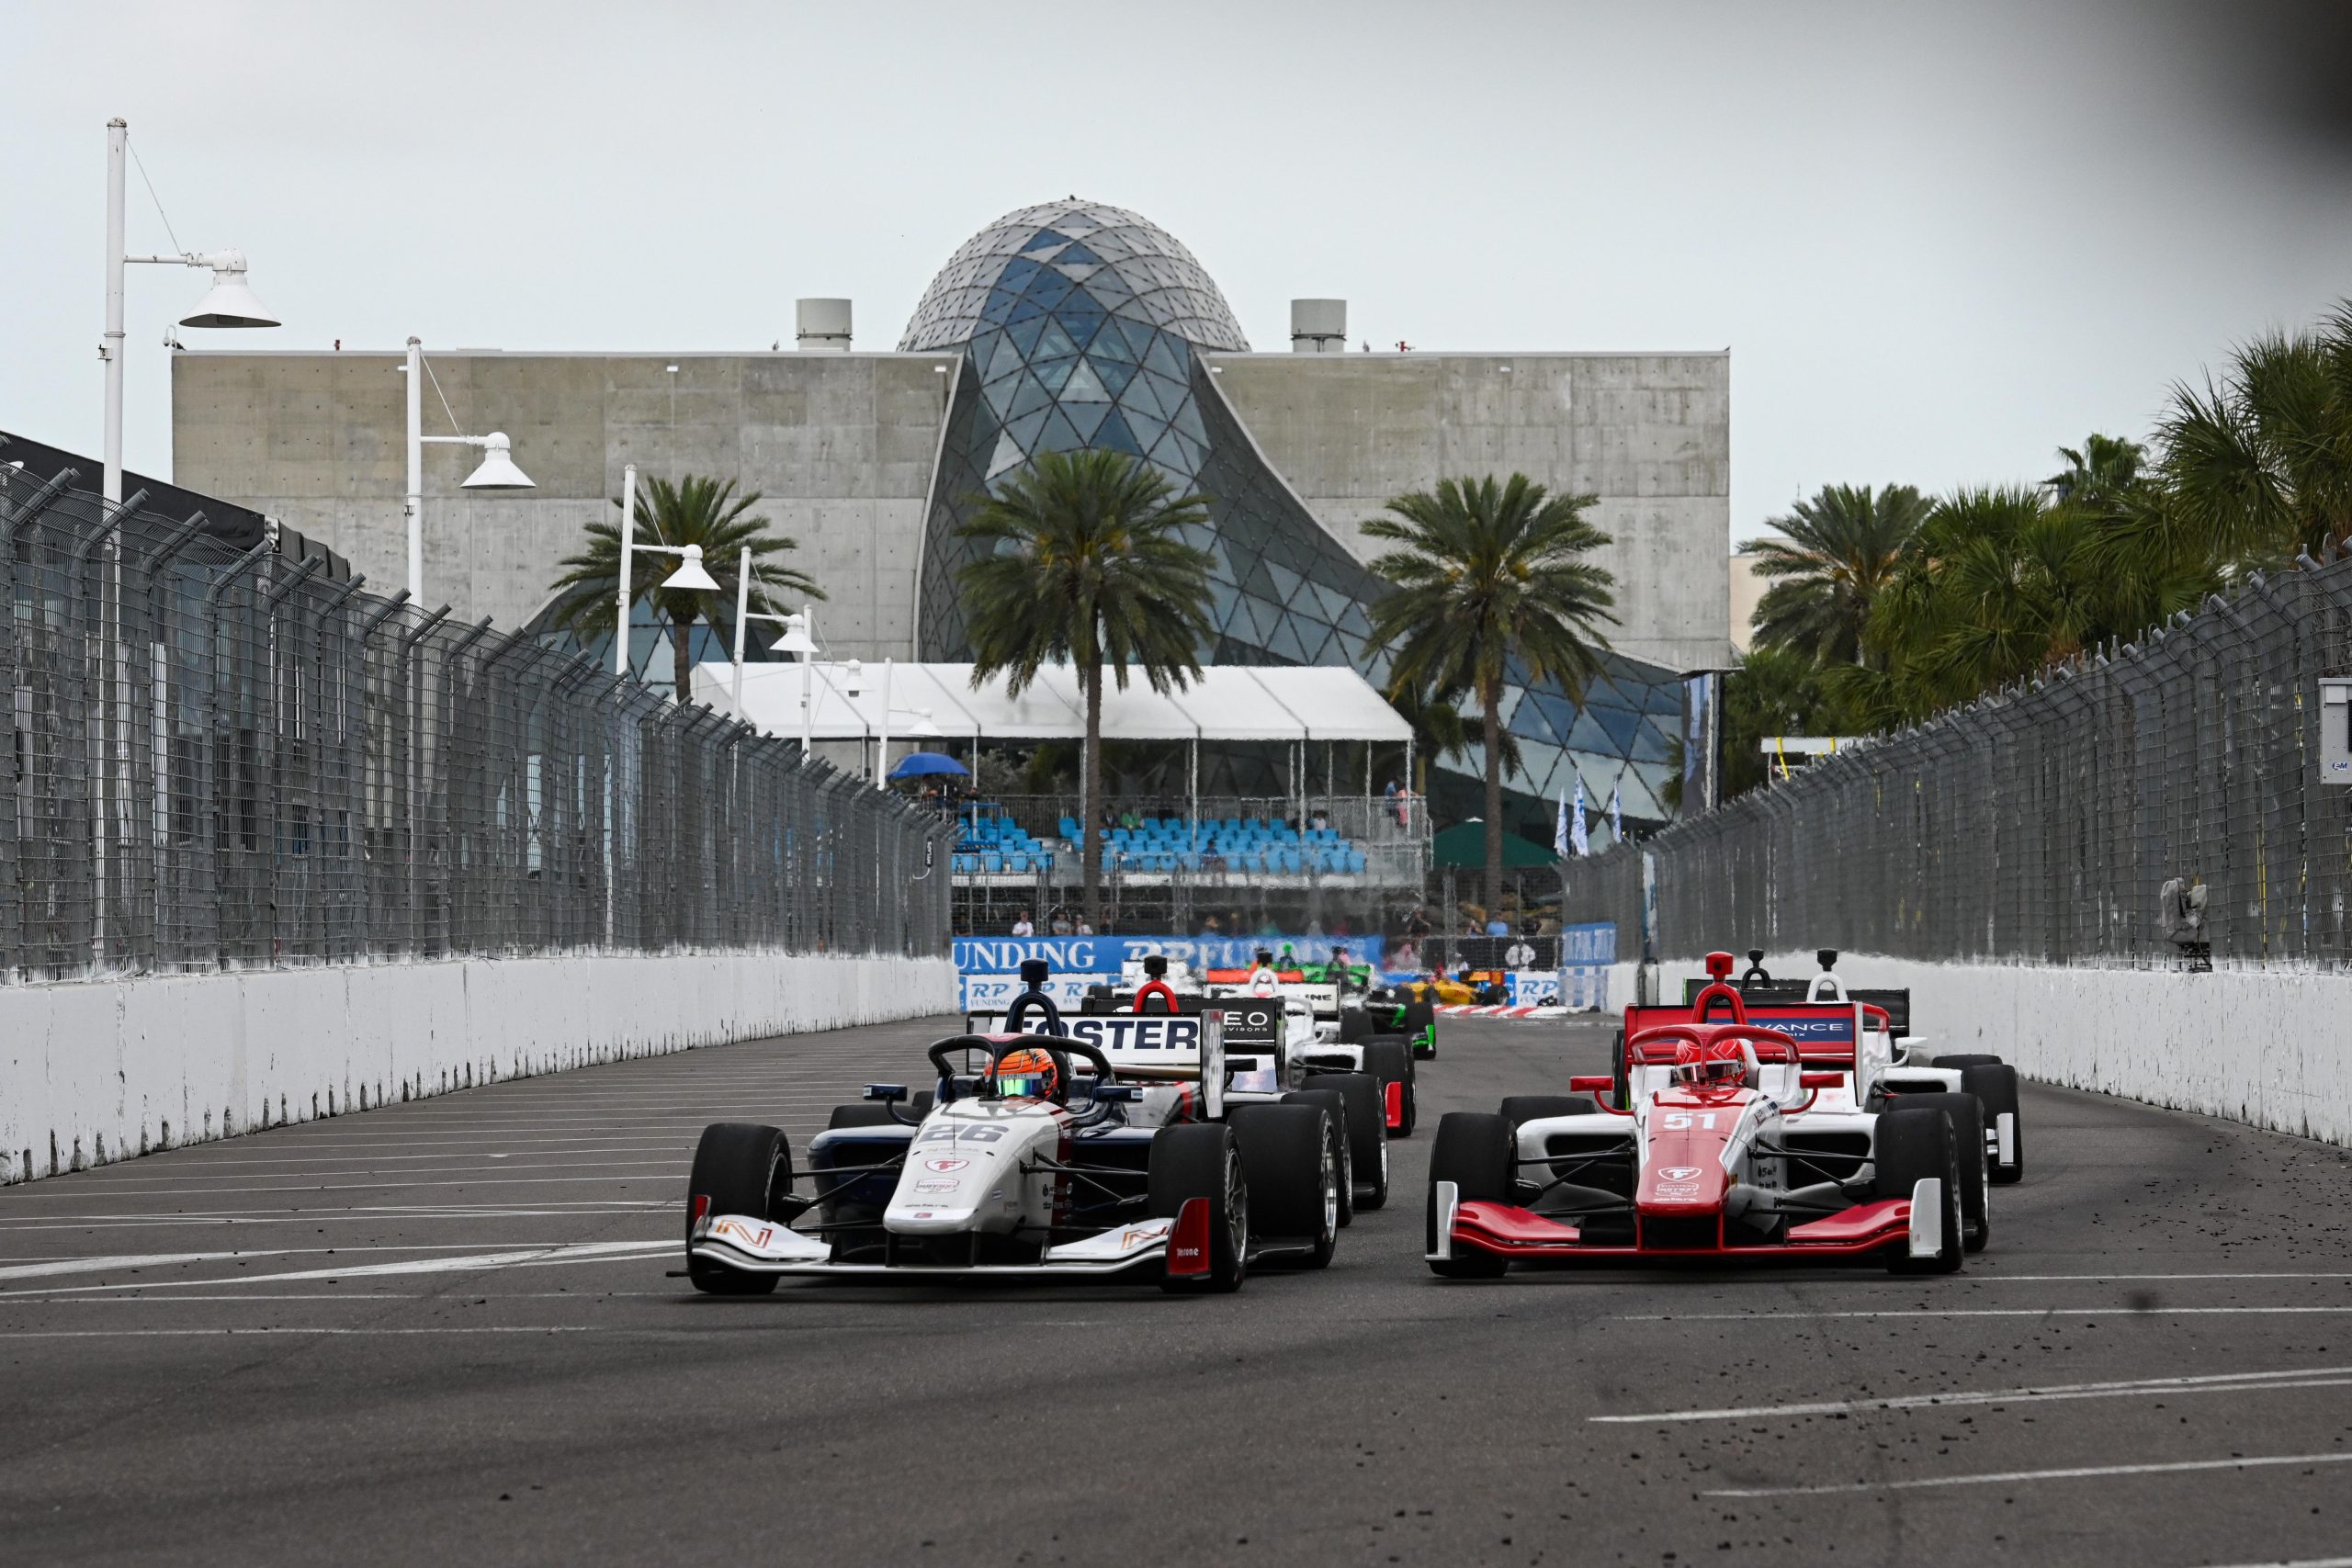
[96, 1071]
[2269, 1047]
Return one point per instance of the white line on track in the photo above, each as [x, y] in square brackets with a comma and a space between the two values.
[2299, 1563]
[536, 1256]
[2117, 1311]
[489, 1177]
[330, 1216]
[1996, 1478]
[2218, 1382]
[31, 1268]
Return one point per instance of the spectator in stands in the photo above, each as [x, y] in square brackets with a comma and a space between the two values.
[1417, 924]
[1521, 954]
[1320, 821]
[1022, 925]
[1498, 926]
[1408, 955]
[1129, 821]
[1060, 924]
[1082, 928]
[1209, 926]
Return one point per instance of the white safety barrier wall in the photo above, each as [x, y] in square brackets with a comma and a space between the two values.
[2269, 1047]
[100, 1070]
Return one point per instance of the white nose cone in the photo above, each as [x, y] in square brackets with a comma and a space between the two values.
[229, 302]
[498, 470]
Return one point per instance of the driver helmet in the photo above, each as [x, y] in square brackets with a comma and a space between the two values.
[1029, 1073]
[1722, 1064]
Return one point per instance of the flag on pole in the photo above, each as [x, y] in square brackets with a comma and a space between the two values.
[1560, 828]
[1576, 824]
[1616, 814]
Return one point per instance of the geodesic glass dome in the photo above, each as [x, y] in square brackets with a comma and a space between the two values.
[1082, 325]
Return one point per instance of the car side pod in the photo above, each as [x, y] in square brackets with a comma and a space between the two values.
[1928, 1217]
[1449, 1201]
[1187, 1244]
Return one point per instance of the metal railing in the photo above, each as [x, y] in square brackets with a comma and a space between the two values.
[223, 759]
[2042, 823]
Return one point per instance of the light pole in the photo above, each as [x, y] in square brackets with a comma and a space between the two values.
[795, 639]
[229, 303]
[497, 471]
[690, 576]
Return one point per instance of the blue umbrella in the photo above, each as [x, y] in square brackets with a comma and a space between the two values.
[924, 765]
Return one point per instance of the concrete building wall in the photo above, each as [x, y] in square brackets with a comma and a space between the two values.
[840, 446]
[1650, 434]
[1747, 586]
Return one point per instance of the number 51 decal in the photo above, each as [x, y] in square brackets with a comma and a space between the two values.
[1679, 1120]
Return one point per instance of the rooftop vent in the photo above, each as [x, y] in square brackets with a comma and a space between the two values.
[821, 325]
[1318, 326]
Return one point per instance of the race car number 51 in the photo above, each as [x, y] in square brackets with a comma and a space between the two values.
[1680, 1120]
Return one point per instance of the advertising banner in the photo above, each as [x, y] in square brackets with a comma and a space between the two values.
[1104, 955]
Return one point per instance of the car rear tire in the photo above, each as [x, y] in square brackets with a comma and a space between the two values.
[1968, 1123]
[1202, 1159]
[1474, 1150]
[1335, 1110]
[741, 1168]
[1294, 1176]
[1367, 1134]
[1996, 1084]
[1965, 1059]
[1392, 1063]
[864, 1113]
[1908, 1144]
[1520, 1109]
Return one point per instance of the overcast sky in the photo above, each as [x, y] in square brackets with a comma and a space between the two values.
[1939, 241]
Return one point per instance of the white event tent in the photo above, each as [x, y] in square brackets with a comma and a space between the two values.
[923, 706]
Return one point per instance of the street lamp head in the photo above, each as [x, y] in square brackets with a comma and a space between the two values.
[854, 677]
[690, 577]
[796, 639]
[498, 470]
[229, 303]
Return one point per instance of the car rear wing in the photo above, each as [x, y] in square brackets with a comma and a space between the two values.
[1176, 1047]
[1894, 1003]
[1828, 1033]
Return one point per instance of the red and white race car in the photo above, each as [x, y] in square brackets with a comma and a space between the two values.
[1721, 1137]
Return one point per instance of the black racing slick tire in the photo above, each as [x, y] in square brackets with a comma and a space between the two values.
[1475, 1151]
[1996, 1084]
[1367, 1134]
[864, 1113]
[1294, 1176]
[1968, 1123]
[1203, 1159]
[1910, 1144]
[739, 1167]
[1393, 1064]
[1335, 1110]
[1965, 1059]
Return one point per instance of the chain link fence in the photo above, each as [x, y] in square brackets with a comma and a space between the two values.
[224, 758]
[2043, 822]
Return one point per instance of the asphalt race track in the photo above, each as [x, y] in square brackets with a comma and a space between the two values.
[442, 1332]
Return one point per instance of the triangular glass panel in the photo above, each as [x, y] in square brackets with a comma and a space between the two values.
[1047, 240]
[1115, 373]
[1084, 416]
[1007, 454]
[1024, 430]
[1084, 385]
[1028, 400]
[1114, 434]
[1053, 341]
[1053, 373]
[1058, 435]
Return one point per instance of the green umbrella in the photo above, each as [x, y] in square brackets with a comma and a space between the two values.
[1464, 844]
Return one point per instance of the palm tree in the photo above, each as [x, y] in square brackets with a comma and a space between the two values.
[695, 511]
[2260, 466]
[1085, 563]
[1838, 551]
[1490, 576]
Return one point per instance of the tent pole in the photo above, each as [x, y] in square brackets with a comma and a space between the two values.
[1192, 793]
